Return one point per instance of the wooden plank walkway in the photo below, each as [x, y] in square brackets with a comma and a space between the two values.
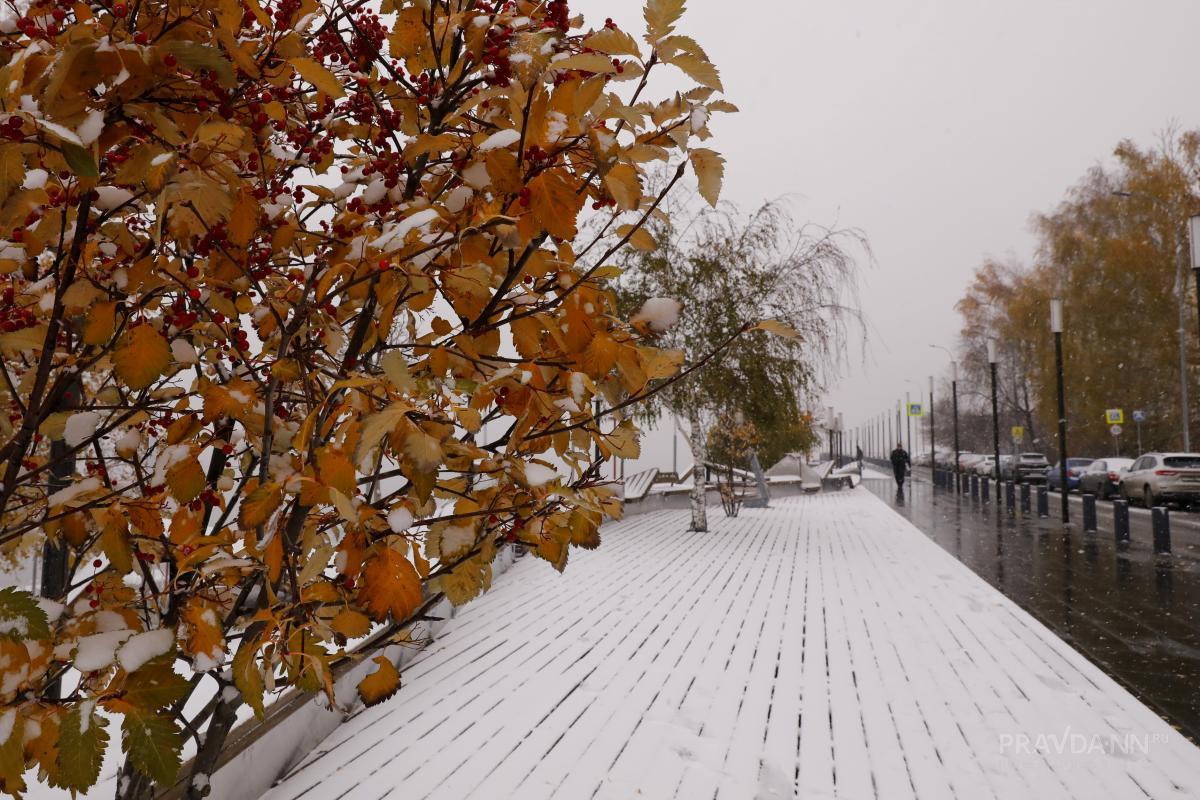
[821, 648]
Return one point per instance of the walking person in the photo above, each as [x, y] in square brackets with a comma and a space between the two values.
[900, 465]
[859, 457]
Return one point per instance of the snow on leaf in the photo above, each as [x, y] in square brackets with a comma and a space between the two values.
[142, 358]
[658, 314]
[144, 647]
[500, 139]
[20, 615]
[380, 684]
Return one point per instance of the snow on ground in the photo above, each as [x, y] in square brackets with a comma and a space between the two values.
[823, 647]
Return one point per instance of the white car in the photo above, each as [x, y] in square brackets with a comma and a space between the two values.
[985, 467]
[1163, 478]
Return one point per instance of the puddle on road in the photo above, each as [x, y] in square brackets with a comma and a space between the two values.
[1134, 615]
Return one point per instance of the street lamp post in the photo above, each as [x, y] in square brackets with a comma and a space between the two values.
[1056, 327]
[932, 431]
[957, 448]
[908, 418]
[991, 354]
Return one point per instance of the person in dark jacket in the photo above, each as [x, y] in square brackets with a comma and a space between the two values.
[900, 464]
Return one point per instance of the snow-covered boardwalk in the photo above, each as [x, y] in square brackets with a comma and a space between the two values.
[820, 648]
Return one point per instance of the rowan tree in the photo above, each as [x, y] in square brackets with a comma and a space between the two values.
[299, 327]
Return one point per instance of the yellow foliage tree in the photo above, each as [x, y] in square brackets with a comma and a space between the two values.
[298, 326]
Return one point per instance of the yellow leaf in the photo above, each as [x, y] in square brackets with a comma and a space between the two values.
[259, 505]
[114, 539]
[555, 203]
[623, 442]
[389, 585]
[661, 16]
[710, 173]
[101, 322]
[639, 238]
[224, 135]
[313, 72]
[424, 450]
[376, 426]
[586, 62]
[204, 633]
[336, 471]
[395, 367]
[622, 183]
[185, 479]
[777, 328]
[698, 69]
[351, 624]
[613, 41]
[380, 684]
[142, 358]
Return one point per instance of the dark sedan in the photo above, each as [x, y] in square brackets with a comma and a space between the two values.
[1075, 469]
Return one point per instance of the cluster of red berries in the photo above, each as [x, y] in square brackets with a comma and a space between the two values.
[285, 12]
[12, 316]
[559, 15]
[603, 202]
[495, 55]
[100, 470]
[207, 498]
[14, 128]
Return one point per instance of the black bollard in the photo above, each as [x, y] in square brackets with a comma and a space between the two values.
[1121, 522]
[1162, 530]
[1010, 496]
[1089, 513]
[985, 489]
[1043, 502]
[975, 487]
[1025, 496]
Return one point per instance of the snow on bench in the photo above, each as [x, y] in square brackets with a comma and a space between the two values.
[638, 486]
[820, 648]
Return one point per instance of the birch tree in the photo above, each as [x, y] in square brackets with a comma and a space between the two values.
[732, 270]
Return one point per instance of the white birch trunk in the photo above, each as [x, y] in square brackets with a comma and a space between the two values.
[699, 485]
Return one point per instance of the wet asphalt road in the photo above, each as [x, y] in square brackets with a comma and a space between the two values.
[1134, 614]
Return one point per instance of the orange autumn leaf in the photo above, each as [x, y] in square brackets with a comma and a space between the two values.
[389, 585]
[142, 358]
[380, 684]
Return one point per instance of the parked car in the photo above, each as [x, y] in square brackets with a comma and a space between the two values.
[1006, 468]
[967, 461]
[1103, 476]
[985, 467]
[1075, 470]
[1163, 478]
[1029, 468]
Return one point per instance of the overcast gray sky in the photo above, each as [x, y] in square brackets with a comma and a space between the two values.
[936, 126]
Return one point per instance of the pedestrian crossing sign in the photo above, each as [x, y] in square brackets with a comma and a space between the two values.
[1018, 433]
[1115, 416]
[916, 410]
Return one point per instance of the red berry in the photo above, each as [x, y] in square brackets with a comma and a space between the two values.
[170, 60]
[120, 10]
[97, 563]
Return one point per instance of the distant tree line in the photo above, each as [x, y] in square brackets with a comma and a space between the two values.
[1115, 252]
